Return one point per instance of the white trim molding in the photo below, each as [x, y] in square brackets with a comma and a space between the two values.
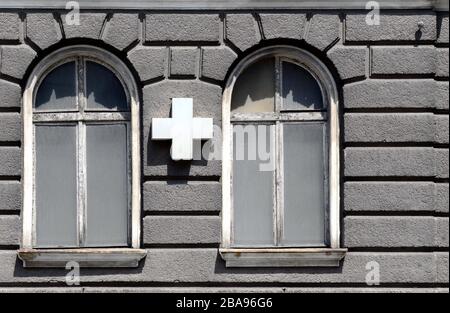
[33, 257]
[307, 257]
[331, 254]
[438, 5]
[117, 257]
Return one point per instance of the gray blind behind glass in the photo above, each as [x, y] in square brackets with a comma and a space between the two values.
[56, 186]
[104, 91]
[300, 90]
[57, 91]
[107, 185]
[252, 190]
[304, 174]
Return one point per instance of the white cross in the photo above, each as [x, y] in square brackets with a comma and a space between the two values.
[182, 129]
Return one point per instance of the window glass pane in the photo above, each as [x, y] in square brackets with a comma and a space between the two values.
[253, 180]
[56, 187]
[57, 91]
[300, 90]
[254, 89]
[103, 88]
[304, 194]
[107, 185]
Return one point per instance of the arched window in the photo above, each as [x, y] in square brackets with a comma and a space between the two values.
[281, 162]
[81, 158]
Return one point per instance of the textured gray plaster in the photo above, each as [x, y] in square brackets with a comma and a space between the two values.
[182, 196]
[391, 196]
[10, 195]
[149, 62]
[122, 30]
[389, 127]
[216, 62]
[385, 93]
[403, 60]
[9, 230]
[90, 26]
[10, 95]
[10, 161]
[182, 27]
[15, 60]
[393, 231]
[43, 29]
[183, 61]
[182, 229]
[9, 26]
[10, 127]
[283, 25]
[242, 30]
[393, 27]
[324, 29]
[390, 162]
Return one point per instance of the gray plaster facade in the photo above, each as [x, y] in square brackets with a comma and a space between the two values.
[394, 86]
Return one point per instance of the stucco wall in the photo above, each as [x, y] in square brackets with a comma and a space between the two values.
[395, 134]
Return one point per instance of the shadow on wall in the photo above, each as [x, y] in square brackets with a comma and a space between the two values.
[150, 272]
[57, 275]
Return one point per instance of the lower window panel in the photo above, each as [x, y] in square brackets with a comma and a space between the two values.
[56, 186]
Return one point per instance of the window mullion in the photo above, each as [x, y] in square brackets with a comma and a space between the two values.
[278, 79]
[81, 84]
[82, 151]
[278, 175]
[81, 183]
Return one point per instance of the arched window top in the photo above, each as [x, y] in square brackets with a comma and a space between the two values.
[272, 76]
[83, 78]
[82, 83]
[273, 70]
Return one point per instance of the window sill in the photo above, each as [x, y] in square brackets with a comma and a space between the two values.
[110, 257]
[283, 257]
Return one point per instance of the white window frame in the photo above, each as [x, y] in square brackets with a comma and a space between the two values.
[86, 257]
[284, 257]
